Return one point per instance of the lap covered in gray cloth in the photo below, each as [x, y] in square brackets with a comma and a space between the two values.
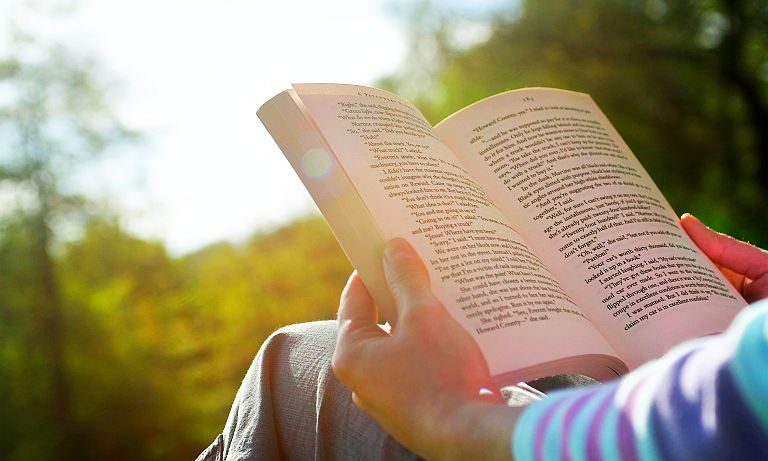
[291, 406]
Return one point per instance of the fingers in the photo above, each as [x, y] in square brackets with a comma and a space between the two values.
[360, 340]
[735, 279]
[756, 290]
[406, 275]
[356, 303]
[726, 251]
[357, 327]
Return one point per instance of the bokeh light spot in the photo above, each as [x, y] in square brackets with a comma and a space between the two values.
[484, 391]
[316, 163]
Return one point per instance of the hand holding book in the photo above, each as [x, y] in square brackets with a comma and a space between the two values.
[426, 381]
[422, 383]
[535, 221]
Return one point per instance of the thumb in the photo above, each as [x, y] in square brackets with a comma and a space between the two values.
[407, 276]
[724, 250]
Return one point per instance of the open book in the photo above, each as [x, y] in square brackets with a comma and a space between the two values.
[543, 235]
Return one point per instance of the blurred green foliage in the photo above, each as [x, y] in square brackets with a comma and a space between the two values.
[110, 348]
[155, 346]
[684, 81]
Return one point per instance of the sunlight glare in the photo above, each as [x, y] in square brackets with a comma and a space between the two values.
[316, 163]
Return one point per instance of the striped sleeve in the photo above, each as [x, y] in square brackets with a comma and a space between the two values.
[706, 399]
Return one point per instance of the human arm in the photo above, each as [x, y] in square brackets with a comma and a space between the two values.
[703, 400]
[421, 382]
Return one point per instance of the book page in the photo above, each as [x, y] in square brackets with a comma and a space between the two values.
[561, 173]
[330, 188]
[480, 267]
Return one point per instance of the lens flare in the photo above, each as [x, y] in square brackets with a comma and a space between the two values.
[316, 163]
[484, 391]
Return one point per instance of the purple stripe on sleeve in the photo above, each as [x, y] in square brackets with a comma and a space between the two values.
[541, 429]
[626, 435]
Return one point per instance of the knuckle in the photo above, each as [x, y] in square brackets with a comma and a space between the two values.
[422, 308]
[425, 301]
[411, 288]
[403, 277]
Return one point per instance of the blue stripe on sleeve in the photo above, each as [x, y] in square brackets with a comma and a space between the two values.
[704, 400]
[579, 430]
[527, 427]
[750, 365]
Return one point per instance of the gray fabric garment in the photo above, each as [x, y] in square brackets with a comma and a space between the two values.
[291, 406]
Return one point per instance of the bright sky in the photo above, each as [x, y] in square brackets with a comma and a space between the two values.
[192, 74]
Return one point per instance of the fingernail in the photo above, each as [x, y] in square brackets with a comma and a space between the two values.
[685, 215]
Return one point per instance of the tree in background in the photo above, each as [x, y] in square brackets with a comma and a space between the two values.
[53, 116]
[163, 343]
[110, 348]
[684, 81]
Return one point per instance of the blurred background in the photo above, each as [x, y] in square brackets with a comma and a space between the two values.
[152, 235]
